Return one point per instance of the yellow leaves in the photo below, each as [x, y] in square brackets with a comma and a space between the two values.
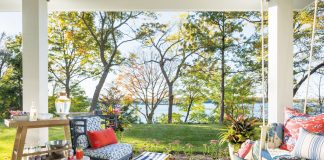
[184, 15]
[69, 35]
[173, 37]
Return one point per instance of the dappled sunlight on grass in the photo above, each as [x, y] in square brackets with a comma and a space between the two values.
[171, 137]
[7, 136]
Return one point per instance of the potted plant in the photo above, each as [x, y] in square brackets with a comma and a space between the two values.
[239, 130]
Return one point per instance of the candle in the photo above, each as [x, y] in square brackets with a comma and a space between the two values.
[79, 153]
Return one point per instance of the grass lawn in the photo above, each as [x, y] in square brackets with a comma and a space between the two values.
[157, 137]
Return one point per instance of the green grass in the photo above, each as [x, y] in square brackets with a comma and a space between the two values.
[160, 137]
[157, 137]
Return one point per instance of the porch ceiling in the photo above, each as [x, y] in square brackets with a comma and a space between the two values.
[148, 5]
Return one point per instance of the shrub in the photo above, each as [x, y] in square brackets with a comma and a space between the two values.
[240, 130]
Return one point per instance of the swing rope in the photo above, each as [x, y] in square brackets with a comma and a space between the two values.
[263, 128]
[311, 54]
[263, 72]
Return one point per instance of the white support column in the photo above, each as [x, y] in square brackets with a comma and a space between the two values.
[280, 58]
[35, 54]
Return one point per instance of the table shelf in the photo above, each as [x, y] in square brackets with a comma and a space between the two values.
[22, 126]
[46, 151]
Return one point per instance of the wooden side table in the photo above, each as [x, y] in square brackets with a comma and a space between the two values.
[22, 126]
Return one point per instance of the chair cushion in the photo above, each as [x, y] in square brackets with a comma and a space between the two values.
[110, 152]
[295, 120]
[101, 138]
[274, 135]
[309, 145]
[93, 124]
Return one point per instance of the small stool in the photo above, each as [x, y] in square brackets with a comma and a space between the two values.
[152, 156]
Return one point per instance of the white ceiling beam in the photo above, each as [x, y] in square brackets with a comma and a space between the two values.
[148, 5]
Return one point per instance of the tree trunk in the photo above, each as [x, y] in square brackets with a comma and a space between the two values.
[67, 88]
[296, 87]
[150, 119]
[96, 94]
[68, 91]
[170, 103]
[188, 111]
[222, 108]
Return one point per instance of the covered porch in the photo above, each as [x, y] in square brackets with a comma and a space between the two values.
[35, 47]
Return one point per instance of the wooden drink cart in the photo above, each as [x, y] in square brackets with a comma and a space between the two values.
[22, 126]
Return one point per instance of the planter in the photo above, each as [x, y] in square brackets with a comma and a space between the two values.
[231, 151]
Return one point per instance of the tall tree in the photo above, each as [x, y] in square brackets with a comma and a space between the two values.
[193, 91]
[4, 54]
[219, 33]
[11, 81]
[172, 48]
[145, 82]
[302, 37]
[70, 50]
[106, 30]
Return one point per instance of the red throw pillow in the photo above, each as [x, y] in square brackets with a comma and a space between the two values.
[245, 149]
[101, 138]
[295, 120]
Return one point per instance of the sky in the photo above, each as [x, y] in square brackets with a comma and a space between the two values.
[11, 24]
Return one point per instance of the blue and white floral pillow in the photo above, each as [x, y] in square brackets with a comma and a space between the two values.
[274, 135]
[93, 124]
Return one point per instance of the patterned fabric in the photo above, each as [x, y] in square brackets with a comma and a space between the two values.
[274, 135]
[245, 148]
[271, 154]
[152, 156]
[277, 154]
[309, 145]
[110, 152]
[93, 124]
[82, 141]
[286, 157]
[295, 120]
[256, 150]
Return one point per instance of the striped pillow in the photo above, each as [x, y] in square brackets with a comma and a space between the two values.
[309, 145]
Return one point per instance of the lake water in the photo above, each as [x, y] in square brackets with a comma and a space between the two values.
[209, 107]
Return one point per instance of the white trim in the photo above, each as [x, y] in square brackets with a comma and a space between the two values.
[148, 5]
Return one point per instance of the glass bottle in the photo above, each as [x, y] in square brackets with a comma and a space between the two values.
[33, 113]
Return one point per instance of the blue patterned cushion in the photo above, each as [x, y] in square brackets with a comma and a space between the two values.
[274, 135]
[110, 152]
[271, 154]
[93, 124]
[309, 145]
[154, 156]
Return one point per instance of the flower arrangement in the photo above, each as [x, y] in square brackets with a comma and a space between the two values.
[19, 115]
[113, 111]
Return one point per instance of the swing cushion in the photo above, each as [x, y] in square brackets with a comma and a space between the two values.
[272, 154]
[274, 135]
[309, 145]
[294, 120]
[245, 148]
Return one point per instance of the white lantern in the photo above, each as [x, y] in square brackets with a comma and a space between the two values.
[62, 105]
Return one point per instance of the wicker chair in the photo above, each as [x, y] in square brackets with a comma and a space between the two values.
[79, 125]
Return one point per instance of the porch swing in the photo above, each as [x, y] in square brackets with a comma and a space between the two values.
[259, 150]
